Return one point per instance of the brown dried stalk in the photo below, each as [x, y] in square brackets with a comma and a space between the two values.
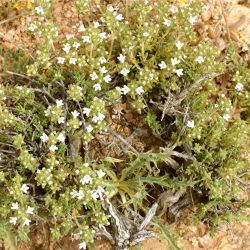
[126, 232]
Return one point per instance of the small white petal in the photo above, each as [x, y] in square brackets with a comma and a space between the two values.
[97, 87]
[30, 210]
[119, 17]
[162, 65]
[175, 61]
[86, 111]
[26, 222]
[226, 117]
[107, 78]
[61, 137]
[239, 86]
[59, 103]
[121, 58]
[44, 137]
[24, 188]
[75, 114]
[53, 148]
[179, 45]
[193, 19]
[14, 206]
[200, 59]
[139, 90]
[124, 72]
[179, 72]
[190, 124]
[125, 89]
[89, 128]
[82, 245]
[13, 220]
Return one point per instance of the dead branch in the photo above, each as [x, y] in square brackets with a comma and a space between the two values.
[126, 232]
[110, 130]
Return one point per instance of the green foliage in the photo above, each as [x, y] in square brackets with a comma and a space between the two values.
[151, 121]
[53, 109]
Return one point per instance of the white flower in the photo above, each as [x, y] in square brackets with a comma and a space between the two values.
[94, 195]
[175, 61]
[103, 35]
[32, 27]
[75, 114]
[61, 120]
[24, 188]
[77, 236]
[173, 9]
[121, 58]
[44, 137]
[82, 245]
[93, 76]
[101, 173]
[39, 10]
[193, 19]
[61, 137]
[85, 39]
[101, 117]
[86, 111]
[111, 8]
[72, 60]
[60, 60]
[139, 90]
[239, 86]
[14, 206]
[13, 220]
[107, 78]
[98, 118]
[86, 180]
[53, 148]
[190, 123]
[47, 111]
[226, 117]
[81, 28]
[119, 17]
[30, 210]
[74, 193]
[80, 194]
[124, 72]
[67, 48]
[166, 22]
[179, 72]
[97, 87]
[89, 128]
[86, 164]
[102, 60]
[96, 24]
[59, 103]
[26, 222]
[179, 45]
[162, 65]
[103, 70]
[76, 45]
[199, 59]
[125, 89]
[145, 34]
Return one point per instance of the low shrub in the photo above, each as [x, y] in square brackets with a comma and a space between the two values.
[148, 56]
